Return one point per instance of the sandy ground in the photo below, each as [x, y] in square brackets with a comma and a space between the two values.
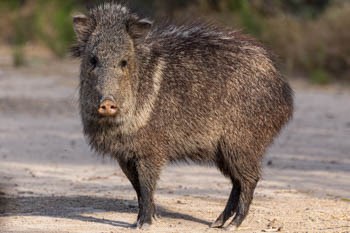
[51, 182]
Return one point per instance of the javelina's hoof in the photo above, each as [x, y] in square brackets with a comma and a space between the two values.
[145, 226]
[156, 217]
[142, 224]
[231, 228]
[217, 224]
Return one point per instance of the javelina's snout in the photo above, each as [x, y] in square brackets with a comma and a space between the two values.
[107, 107]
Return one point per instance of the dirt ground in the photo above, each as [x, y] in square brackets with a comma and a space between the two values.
[51, 181]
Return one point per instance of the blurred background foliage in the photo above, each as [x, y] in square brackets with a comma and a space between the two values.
[310, 37]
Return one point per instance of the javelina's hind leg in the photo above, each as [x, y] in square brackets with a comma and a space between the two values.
[247, 173]
[245, 198]
[230, 208]
[223, 162]
[244, 171]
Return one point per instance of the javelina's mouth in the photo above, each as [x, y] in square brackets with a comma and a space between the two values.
[115, 120]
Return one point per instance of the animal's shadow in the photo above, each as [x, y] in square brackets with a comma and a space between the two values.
[77, 207]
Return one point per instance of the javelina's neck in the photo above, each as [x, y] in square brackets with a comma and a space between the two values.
[150, 68]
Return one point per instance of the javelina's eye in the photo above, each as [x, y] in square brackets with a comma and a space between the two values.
[93, 61]
[123, 63]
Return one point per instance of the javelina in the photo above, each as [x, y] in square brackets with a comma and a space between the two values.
[150, 95]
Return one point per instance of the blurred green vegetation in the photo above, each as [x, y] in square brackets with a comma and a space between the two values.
[311, 37]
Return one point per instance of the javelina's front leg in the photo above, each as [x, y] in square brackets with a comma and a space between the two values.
[148, 174]
[128, 166]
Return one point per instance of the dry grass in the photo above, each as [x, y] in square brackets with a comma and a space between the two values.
[319, 47]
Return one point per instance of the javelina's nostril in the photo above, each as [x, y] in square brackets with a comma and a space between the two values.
[108, 108]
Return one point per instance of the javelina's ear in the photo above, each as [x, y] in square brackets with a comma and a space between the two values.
[138, 28]
[81, 27]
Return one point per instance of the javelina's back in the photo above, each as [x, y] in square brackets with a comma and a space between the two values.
[153, 94]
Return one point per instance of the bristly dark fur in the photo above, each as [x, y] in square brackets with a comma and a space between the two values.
[191, 92]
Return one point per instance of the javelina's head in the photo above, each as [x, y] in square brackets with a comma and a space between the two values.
[107, 40]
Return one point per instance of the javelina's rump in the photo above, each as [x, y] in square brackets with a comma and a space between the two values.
[150, 95]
